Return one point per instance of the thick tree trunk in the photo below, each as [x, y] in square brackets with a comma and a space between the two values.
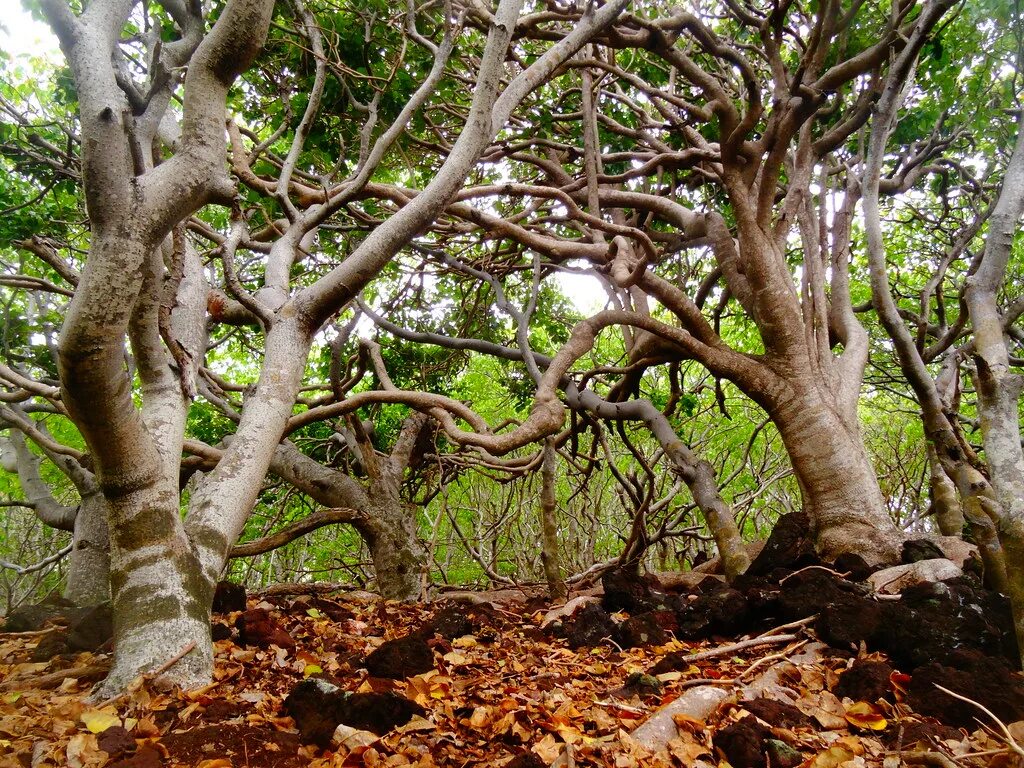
[161, 599]
[398, 557]
[838, 484]
[88, 575]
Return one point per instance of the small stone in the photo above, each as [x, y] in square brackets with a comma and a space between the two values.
[51, 645]
[781, 755]
[526, 760]
[589, 627]
[642, 631]
[742, 743]
[450, 621]
[401, 658]
[92, 629]
[639, 684]
[257, 627]
[116, 741]
[228, 597]
[865, 681]
[777, 714]
[319, 707]
[146, 757]
[219, 631]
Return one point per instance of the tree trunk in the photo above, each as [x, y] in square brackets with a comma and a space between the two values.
[837, 482]
[88, 577]
[949, 515]
[549, 525]
[398, 556]
[161, 599]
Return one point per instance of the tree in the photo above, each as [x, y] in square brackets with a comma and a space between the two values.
[143, 178]
[704, 166]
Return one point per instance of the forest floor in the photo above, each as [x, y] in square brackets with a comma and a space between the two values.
[495, 689]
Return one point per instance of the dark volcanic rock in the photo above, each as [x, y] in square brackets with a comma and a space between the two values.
[855, 566]
[53, 644]
[988, 681]
[228, 597]
[92, 628]
[805, 594]
[777, 714]
[318, 707]
[625, 590]
[722, 611]
[642, 631]
[146, 757]
[788, 546]
[116, 741]
[257, 627]
[450, 621]
[589, 627]
[849, 621]
[401, 658]
[920, 549]
[219, 631]
[31, 618]
[935, 620]
[865, 681]
[742, 743]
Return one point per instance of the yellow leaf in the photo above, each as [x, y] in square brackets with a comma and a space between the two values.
[670, 677]
[831, 758]
[456, 659]
[98, 720]
[861, 714]
[10, 698]
[219, 762]
[312, 669]
[314, 613]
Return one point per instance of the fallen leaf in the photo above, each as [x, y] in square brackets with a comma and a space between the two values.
[219, 762]
[98, 720]
[353, 740]
[83, 750]
[312, 669]
[832, 757]
[867, 716]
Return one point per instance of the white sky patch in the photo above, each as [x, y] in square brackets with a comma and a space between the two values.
[21, 35]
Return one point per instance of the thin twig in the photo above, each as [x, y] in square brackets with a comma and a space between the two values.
[1004, 731]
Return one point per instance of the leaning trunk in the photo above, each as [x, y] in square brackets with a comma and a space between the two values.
[838, 484]
[88, 575]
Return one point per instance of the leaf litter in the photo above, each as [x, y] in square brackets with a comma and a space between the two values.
[505, 693]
